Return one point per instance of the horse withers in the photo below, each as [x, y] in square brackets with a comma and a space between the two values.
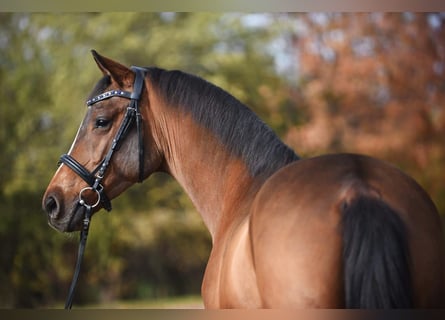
[335, 231]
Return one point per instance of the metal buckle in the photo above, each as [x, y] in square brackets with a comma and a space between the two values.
[82, 201]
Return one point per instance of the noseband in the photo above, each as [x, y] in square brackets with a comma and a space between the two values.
[95, 177]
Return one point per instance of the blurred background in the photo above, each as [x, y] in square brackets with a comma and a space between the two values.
[365, 83]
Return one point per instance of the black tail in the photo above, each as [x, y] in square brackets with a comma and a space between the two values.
[376, 256]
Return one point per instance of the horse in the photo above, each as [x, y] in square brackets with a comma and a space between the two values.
[333, 231]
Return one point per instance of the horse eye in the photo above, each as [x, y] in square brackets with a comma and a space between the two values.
[102, 123]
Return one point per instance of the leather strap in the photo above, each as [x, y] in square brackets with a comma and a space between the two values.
[135, 96]
[80, 253]
[108, 95]
[94, 178]
[88, 177]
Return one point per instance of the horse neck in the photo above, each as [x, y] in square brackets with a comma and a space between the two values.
[217, 182]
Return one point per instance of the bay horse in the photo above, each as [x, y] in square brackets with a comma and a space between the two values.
[333, 231]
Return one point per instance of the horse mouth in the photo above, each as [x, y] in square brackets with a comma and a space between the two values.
[71, 222]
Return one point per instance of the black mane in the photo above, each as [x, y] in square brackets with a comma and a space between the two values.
[239, 129]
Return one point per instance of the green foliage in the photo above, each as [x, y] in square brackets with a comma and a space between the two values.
[153, 244]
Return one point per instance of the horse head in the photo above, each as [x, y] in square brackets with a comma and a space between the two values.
[113, 148]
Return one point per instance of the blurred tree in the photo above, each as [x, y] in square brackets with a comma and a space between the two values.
[370, 83]
[46, 72]
[375, 84]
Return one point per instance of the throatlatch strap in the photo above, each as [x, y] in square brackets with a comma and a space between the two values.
[137, 92]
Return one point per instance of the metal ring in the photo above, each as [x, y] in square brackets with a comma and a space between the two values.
[82, 202]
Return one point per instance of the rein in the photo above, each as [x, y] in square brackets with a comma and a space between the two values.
[95, 177]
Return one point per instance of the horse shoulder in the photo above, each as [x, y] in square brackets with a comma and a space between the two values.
[230, 279]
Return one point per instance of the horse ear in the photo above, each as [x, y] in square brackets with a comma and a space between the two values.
[118, 72]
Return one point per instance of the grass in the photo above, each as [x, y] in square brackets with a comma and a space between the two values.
[182, 302]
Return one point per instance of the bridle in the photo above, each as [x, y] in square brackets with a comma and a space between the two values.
[95, 177]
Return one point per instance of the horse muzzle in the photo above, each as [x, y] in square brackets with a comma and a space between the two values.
[67, 215]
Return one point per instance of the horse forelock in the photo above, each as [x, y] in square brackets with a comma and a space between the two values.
[233, 123]
[100, 87]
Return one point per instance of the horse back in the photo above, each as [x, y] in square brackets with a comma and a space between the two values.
[297, 233]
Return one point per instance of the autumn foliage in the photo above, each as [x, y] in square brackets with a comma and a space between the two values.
[369, 83]
[375, 84]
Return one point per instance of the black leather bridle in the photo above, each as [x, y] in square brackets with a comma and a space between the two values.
[94, 178]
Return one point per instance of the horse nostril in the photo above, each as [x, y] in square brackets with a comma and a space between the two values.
[52, 207]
